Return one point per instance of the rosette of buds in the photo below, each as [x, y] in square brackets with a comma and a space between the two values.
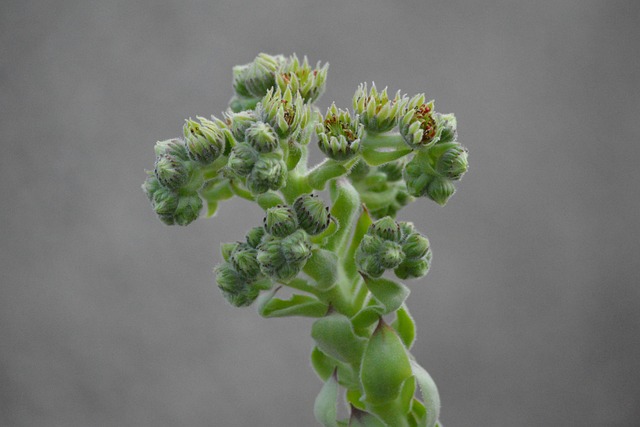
[339, 134]
[376, 111]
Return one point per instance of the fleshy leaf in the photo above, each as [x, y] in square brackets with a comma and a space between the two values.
[297, 305]
[405, 326]
[429, 395]
[334, 335]
[390, 294]
[325, 407]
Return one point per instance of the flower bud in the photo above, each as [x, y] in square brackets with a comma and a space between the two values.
[283, 258]
[453, 163]
[188, 209]
[226, 249]
[339, 134]
[386, 228]
[449, 125]
[280, 221]
[150, 186]
[165, 202]
[301, 78]
[376, 112]
[244, 261]
[257, 77]
[413, 268]
[254, 236]
[206, 140]
[268, 173]
[313, 215]
[170, 171]
[239, 122]
[392, 170]
[367, 256]
[390, 255]
[286, 113]
[415, 245]
[262, 137]
[440, 190]
[235, 288]
[242, 159]
[174, 147]
[418, 125]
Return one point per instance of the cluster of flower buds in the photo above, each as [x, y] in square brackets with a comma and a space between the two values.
[440, 159]
[254, 80]
[168, 186]
[285, 112]
[376, 111]
[392, 245]
[277, 251]
[257, 156]
[339, 134]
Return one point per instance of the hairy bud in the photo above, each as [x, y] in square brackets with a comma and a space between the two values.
[280, 221]
[234, 286]
[206, 140]
[283, 258]
[174, 147]
[339, 134]
[188, 209]
[261, 137]
[268, 173]
[254, 236]
[440, 190]
[386, 228]
[242, 159]
[244, 260]
[170, 171]
[453, 163]
[376, 112]
[257, 77]
[310, 83]
[239, 122]
[313, 215]
[286, 113]
[418, 125]
[417, 253]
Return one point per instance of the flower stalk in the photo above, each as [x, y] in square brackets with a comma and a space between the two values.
[338, 257]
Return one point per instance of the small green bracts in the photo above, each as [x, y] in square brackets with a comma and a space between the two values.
[338, 258]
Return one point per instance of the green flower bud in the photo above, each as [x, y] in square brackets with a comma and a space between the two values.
[262, 137]
[254, 236]
[359, 171]
[165, 202]
[283, 258]
[174, 147]
[280, 221]
[244, 261]
[242, 159]
[449, 125]
[287, 114]
[339, 134]
[170, 171]
[406, 229]
[418, 176]
[453, 163]
[413, 268]
[386, 228]
[390, 255]
[256, 78]
[440, 190]
[268, 173]
[302, 78]
[393, 170]
[313, 215]
[418, 125]
[376, 112]
[239, 122]
[235, 288]
[367, 257]
[226, 249]
[206, 140]
[415, 246]
[188, 209]
[151, 185]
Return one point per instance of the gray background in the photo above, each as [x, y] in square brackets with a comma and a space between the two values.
[530, 315]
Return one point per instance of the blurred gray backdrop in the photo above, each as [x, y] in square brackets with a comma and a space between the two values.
[530, 315]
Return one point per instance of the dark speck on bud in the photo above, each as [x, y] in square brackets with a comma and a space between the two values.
[387, 228]
[313, 215]
[280, 221]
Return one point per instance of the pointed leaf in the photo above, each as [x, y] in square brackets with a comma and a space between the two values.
[325, 408]
[429, 394]
[405, 326]
[297, 305]
[322, 364]
[334, 335]
[364, 419]
[390, 294]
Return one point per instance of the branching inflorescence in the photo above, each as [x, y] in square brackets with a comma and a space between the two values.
[380, 156]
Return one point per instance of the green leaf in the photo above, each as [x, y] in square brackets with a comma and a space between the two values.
[297, 305]
[405, 326]
[391, 295]
[212, 208]
[322, 364]
[325, 408]
[375, 158]
[385, 366]
[363, 224]
[323, 268]
[365, 318]
[346, 207]
[334, 335]
[361, 418]
[326, 171]
[429, 395]
[269, 199]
